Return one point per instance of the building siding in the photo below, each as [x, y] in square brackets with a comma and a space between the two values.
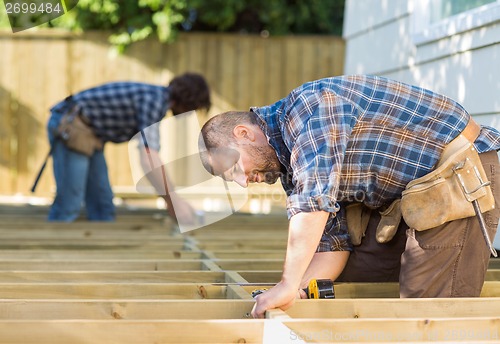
[463, 66]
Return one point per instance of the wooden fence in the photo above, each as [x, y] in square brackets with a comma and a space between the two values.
[38, 68]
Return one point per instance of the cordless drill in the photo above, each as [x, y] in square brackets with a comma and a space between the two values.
[317, 289]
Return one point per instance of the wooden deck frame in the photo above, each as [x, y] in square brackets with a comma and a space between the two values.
[477, 330]
[143, 281]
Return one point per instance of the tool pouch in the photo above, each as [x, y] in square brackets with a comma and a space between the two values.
[77, 135]
[357, 217]
[446, 193]
[389, 222]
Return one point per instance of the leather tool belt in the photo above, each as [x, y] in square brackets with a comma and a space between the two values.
[447, 193]
[77, 134]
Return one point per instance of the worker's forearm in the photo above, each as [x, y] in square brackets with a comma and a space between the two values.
[155, 172]
[304, 235]
[325, 265]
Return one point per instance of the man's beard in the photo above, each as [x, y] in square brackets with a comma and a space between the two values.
[266, 162]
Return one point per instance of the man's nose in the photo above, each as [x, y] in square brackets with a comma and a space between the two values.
[242, 180]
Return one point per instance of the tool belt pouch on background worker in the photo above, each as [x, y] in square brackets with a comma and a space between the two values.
[447, 193]
[76, 134]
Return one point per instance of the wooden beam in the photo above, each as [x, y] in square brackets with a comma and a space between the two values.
[88, 232]
[103, 255]
[416, 330]
[144, 277]
[71, 244]
[27, 309]
[102, 265]
[243, 244]
[249, 264]
[395, 308]
[249, 330]
[131, 332]
[261, 276]
[112, 291]
[257, 254]
[493, 275]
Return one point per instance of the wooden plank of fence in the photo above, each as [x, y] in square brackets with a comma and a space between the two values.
[39, 69]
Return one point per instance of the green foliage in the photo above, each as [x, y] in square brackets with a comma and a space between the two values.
[278, 17]
[4, 20]
[134, 20]
[129, 21]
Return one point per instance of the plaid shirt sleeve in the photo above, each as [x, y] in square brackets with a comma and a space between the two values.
[148, 108]
[318, 141]
[319, 137]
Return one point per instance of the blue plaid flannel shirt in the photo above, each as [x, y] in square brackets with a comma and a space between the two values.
[119, 110]
[359, 138]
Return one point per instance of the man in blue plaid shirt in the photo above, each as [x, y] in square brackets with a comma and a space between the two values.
[116, 112]
[356, 140]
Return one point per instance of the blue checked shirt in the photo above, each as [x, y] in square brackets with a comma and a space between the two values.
[119, 110]
[359, 138]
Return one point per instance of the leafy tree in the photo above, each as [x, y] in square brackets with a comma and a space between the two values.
[134, 20]
[278, 17]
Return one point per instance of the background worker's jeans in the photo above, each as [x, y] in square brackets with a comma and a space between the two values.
[79, 180]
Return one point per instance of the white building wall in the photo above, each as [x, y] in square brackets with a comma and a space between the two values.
[387, 38]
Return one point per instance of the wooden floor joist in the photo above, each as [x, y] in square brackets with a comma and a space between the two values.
[139, 280]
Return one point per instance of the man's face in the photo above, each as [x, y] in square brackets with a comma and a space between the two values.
[247, 163]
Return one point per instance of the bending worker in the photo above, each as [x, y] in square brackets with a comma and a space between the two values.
[353, 147]
[81, 124]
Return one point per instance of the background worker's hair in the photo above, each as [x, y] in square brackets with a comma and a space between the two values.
[190, 90]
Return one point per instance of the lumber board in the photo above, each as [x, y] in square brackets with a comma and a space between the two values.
[494, 263]
[249, 264]
[243, 244]
[33, 309]
[18, 245]
[261, 276]
[141, 280]
[396, 330]
[248, 330]
[270, 276]
[353, 290]
[104, 265]
[84, 233]
[133, 332]
[103, 255]
[75, 226]
[492, 275]
[395, 308]
[383, 290]
[111, 277]
[257, 254]
[112, 291]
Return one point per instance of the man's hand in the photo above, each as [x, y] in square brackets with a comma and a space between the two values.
[304, 234]
[280, 296]
[180, 210]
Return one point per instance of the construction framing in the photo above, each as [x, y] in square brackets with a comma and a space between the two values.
[139, 280]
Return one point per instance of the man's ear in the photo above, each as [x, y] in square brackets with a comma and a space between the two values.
[243, 132]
